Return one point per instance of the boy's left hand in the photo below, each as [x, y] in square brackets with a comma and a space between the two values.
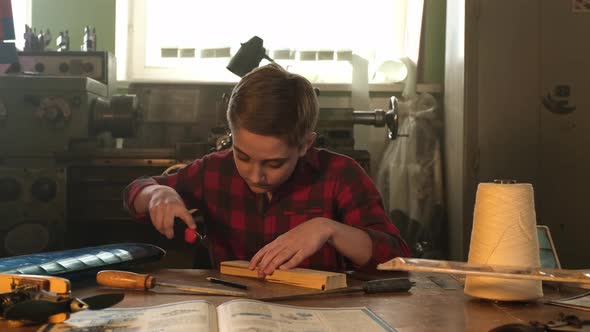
[291, 248]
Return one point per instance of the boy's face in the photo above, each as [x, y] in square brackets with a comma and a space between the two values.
[264, 162]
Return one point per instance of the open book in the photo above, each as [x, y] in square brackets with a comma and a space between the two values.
[235, 315]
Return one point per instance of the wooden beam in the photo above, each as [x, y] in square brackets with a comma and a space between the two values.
[307, 278]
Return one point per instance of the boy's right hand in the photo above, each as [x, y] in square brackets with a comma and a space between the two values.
[164, 205]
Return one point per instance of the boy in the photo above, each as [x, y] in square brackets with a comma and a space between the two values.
[273, 199]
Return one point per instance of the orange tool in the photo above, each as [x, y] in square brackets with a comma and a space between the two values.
[45, 299]
[130, 280]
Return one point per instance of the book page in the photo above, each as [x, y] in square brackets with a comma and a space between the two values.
[194, 316]
[251, 315]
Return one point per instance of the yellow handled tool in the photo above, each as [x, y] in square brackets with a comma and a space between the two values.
[131, 280]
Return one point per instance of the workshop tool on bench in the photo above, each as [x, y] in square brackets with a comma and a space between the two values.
[226, 283]
[486, 270]
[45, 299]
[131, 280]
[391, 285]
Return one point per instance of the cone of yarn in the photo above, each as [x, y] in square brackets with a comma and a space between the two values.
[504, 233]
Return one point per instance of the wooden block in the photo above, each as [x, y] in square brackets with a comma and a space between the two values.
[307, 278]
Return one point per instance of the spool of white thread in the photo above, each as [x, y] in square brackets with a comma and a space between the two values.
[504, 233]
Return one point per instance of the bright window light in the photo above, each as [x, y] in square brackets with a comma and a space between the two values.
[187, 40]
[21, 14]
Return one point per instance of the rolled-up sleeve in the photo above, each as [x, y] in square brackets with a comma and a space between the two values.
[131, 192]
[360, 205]
[187, 182]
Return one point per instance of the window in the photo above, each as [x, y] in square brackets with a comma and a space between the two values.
[187, 40]
[21, 15]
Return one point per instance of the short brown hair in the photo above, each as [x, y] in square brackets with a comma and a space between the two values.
[271, 101]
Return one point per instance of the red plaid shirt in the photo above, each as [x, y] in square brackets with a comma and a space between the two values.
[323, 184]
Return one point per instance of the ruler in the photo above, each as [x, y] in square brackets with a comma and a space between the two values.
[485, 270]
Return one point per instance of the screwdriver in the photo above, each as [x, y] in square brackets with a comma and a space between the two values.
[131, 280]
[369, 287]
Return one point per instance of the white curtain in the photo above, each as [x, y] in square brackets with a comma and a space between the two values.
[409, 176]
[408, 170]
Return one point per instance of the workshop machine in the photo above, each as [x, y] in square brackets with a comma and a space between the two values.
[335, 129]
[171, 110]
[48, 124]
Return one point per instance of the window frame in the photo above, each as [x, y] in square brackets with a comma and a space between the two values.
[129, 49]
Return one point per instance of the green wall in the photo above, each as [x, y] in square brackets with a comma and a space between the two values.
[74, 15]
[433, 42]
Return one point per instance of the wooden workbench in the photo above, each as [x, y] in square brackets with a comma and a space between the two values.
[435, 303]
